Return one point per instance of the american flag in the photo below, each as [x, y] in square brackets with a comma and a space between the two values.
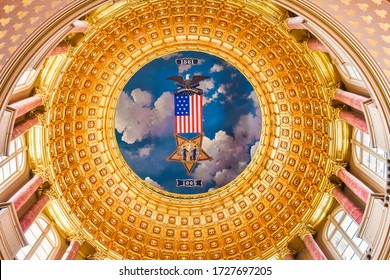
[188, 113]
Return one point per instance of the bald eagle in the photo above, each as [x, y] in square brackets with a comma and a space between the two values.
[187, 83]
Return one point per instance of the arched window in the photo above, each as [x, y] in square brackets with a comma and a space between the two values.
[11, 166]
[340, 236]
[368, 158]
[26, 79]
[42, 240]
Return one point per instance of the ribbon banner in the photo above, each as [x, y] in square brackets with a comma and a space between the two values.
[189, 183]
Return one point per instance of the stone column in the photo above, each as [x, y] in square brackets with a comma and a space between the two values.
[296, 23]
[73, 249]
[26, 105]
[79, 26]
[23, 126]
[286, 253]
[316, 45]
[354, 184]
[62, 48]
[347, 204]
[24, 194]
[351, 99]
[354, 119]
[315, 251]
[32, 213]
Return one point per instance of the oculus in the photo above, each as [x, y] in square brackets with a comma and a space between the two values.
[188, 128]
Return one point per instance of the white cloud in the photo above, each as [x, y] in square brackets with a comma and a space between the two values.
[185, 67]
[153, 183]
[145, 151]
[136, 117]
[248, 128]
[216, 68]
[171, 55]
[253, 96]
[230, 153]
[254, 149]
[222, 90]
[229, 159]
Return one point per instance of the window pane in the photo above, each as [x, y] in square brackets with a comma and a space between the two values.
[372, 163]
[34, 257]
[346, 222]
[50, 236]
[342, 246]
[355, 257]
[366, 140]
[330, 229]
[41, 253]
[336, 239]
[380, 168]
[30, 237]
[42, 223]
[366, 158]
[35, 230]
[46, 246]
[338, 216]
[351, 231]
[348, 254]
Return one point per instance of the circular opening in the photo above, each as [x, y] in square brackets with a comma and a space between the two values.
[188, 122]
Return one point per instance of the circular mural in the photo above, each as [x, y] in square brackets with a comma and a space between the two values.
[188, 122]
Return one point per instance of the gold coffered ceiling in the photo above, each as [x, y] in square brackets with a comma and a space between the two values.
[102, 200]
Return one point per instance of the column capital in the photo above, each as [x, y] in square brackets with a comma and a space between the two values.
[334, 112]
[77, 236]
[306, 230]
[285, 250]
[335, 166]
[41, 117]
[98, 255]
[53, 195]
[332, 185]
[43, 172]
[332, 90]
[42, 92]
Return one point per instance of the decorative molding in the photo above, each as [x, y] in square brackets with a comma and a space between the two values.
[335, 166]
[332, 185]
[43, 172]
[306, 230]
[98, 255]
[335, 112]
[285, 250]
[51, 193]
[76, 235]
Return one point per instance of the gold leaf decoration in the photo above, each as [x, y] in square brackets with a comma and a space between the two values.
[381, 13]
[27, 2]
[363, 6]
[4, 21]
[22, 14]
[367, 19]
[9, 8]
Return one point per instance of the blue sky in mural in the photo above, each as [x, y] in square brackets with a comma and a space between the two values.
[144, 123]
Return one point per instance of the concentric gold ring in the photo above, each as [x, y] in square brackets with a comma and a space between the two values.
[248, 218]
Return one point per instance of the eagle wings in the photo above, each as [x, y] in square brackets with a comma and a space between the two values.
[188, 84]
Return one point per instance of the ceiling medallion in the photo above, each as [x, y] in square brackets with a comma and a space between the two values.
[211, 110]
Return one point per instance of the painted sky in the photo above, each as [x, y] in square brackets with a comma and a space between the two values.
[144, 122]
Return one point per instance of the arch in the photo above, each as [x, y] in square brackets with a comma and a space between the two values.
[43, 241]
[13, 165]
[368, 159]
[340, 238]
